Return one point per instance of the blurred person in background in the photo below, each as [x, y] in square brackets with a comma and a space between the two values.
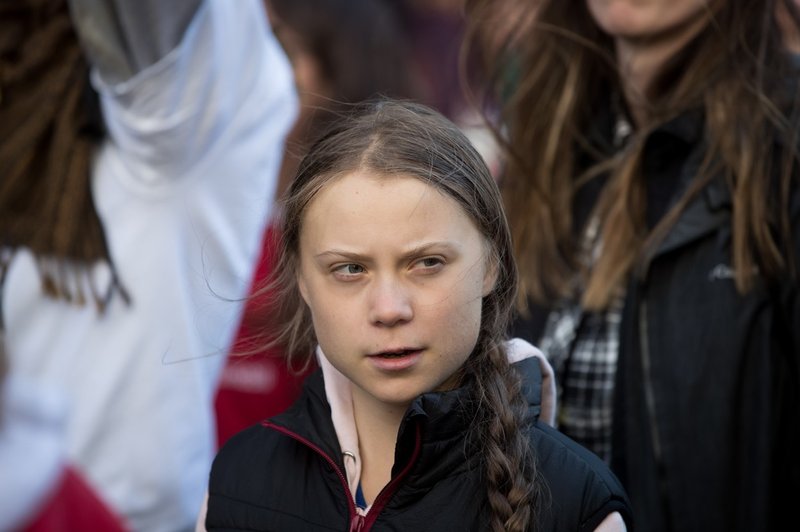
[343, 52]
[435, 31]
[140, 144]
[651, 182]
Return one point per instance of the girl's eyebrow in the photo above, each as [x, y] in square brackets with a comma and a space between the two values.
[420, 249]
[429, 247]
[341, 254]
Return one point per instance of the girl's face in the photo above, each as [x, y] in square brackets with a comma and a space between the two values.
[635, 20]
[394, 273]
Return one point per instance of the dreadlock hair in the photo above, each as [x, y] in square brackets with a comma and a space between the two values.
[550, 66]
[49, 126]
[388, 138]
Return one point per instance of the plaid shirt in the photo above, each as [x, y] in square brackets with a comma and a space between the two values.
[582, 348]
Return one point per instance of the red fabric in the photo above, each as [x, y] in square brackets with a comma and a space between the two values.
[255, 386]
[75, 507]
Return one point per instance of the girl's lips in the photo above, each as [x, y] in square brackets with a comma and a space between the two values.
[395, 360]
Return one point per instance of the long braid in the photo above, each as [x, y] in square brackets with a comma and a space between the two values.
[513, 492]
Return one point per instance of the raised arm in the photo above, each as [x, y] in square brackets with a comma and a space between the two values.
[185, 83]
[122, 37]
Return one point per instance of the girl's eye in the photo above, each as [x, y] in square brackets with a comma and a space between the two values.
[429, 264]
[348, 270]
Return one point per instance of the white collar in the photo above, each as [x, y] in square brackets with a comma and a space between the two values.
[339, 392]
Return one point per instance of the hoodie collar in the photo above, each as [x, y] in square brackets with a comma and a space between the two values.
[437, 407]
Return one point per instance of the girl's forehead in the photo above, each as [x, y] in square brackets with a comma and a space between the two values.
[362, 206]
[358, 184]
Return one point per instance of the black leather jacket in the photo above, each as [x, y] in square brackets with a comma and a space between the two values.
[287, 473]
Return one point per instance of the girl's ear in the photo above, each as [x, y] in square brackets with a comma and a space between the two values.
[490, 277]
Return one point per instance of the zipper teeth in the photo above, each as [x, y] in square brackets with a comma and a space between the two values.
[383, 497]
[650, 401]
[351, 505]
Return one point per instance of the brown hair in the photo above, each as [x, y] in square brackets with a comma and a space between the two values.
[551, 67]
[390, 138]
[48, 135]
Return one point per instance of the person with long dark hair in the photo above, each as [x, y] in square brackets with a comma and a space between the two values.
[652, 191]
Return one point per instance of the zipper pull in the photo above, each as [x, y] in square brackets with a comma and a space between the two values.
[357, 523]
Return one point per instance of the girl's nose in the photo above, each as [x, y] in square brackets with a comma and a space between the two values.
[390, 303]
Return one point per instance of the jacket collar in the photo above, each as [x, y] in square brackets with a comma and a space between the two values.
[441, 413]
[324, 416]
[707, 210]
[704, 214]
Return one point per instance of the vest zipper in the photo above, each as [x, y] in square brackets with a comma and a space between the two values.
[358, 522]
[386, 493]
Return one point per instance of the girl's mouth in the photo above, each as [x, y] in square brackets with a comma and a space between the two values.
[396, 359]
[396, 354]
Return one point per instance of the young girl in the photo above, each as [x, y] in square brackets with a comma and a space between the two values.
[396, 270]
